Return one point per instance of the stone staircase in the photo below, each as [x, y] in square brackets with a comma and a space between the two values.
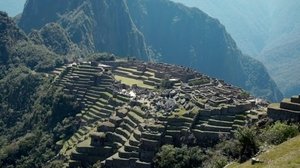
[129, 134]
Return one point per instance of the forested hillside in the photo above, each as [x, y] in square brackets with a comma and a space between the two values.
[30, 104]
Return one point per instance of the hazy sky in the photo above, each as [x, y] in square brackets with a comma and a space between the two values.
[12, 7]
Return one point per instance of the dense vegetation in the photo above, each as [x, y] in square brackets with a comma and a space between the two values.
[100, 57]
[34, 113]
[246, 142]
[17, 49]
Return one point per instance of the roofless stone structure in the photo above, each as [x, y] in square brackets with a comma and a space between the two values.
[131, 109]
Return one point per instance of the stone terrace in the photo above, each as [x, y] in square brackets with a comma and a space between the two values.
[288, 109]
[127, 116]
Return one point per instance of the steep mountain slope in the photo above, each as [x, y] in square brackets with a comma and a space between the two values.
[56, 39]
[283, 155]
[9, 35]
[206, 46]
[281, 55]
[30, 106]
[16, 48]
[267, 30]
[94, 25]
[248, 28]
[154, 30]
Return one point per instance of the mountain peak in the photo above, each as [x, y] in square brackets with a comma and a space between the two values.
[104, 26]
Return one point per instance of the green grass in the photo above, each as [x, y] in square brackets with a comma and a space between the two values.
[130, 82]
[274, 105]
[285, 155]
[180, 113]
[132, 70]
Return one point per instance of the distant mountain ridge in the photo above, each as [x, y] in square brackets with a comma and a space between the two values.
[266, 30]
[153, 30]
[281, 55]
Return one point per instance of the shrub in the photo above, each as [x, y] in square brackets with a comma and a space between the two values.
[244, 95]
[248, 142]
[200, 81]
[166, 84]
[101, 57]
[279, 132]
[184, 157]
[217, 160]
[229, 148]
[55, 164]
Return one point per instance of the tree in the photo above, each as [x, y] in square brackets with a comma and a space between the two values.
[279, 132]
[248, 142]
[184, 157]
[166, 84]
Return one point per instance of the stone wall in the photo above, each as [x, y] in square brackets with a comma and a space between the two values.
[283, 115]
[287, 110]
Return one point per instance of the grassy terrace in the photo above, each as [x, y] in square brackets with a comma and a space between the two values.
[130, 82]
[274, 105]
[181, 111]
[286, 154]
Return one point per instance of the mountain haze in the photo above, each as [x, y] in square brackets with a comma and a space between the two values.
[154, 30]
[281, 54]
[266, 30]
[12, 7]
[248, 28]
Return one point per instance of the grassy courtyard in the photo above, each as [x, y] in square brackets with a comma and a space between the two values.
[130, 82]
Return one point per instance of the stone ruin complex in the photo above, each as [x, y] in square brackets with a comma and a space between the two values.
[128, 114]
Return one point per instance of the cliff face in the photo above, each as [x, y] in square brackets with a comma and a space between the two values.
[154, 30]
[94, 25]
